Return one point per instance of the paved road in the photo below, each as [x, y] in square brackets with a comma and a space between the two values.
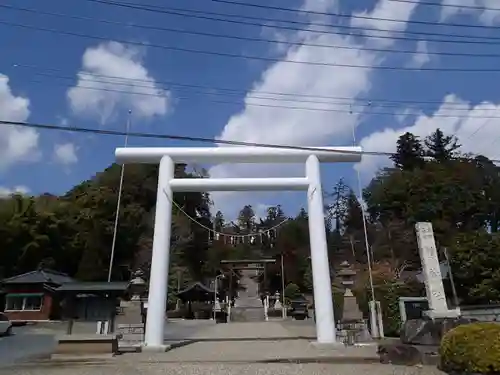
[184, 329]
[31, 342]
[24, 344]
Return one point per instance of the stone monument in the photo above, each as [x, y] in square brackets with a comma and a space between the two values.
[354, 328]
[439, 318]
[438, 306]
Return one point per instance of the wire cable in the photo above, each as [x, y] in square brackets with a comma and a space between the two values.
[222, 234]
[194, 139]
[254, 57]
[188, 13]
[369, 255]
[118, 202]
[353, 16]
[42, 70]
[245, 38]
[162, 92]
[246, 102]
[183, 138]
[446, 5]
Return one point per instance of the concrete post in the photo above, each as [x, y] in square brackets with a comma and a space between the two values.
[158, 281]
[325, 321]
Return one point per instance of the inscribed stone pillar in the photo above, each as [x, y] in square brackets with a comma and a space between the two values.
[431, 271]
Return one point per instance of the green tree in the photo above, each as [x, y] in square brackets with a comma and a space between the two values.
[219, 222]
[475, 263]
[353, 229]
[275, 215]
[292, 291]
[441, 147]
[489, 175]
[409, 153]
[450, 196]
[246, 219]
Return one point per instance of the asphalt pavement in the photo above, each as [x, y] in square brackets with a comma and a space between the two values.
[24, 345]
[32, 342]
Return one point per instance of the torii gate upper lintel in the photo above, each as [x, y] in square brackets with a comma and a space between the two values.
[167, 184]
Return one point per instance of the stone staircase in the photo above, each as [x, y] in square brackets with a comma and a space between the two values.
[248, 305]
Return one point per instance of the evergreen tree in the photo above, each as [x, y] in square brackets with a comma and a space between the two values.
[275, 215]
[440, 147]
[302, 214]
[353, 220]
[409, 153]
[246, 219]
[337, 209]
[219, 221]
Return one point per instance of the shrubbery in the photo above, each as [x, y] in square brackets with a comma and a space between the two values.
[471, 349]
[292, 292]
[388, 295]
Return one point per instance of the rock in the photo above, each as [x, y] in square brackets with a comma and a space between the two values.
[399, 354]
[429, 332]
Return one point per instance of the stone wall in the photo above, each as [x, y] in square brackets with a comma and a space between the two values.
[484, 313]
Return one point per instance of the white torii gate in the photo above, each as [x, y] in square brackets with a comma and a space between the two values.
[167, 184]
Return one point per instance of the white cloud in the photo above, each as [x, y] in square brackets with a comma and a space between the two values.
[113, 59]
[302, 127]
[296, 127]
[476, 133]
[16, 144]
[6, 192]
[65, 153]
[487, 17]
[321, 6]
[387, 10]
[421, 55]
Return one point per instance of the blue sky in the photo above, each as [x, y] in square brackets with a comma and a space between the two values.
[40, 83]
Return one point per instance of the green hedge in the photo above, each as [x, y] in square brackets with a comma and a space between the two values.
[471, 348]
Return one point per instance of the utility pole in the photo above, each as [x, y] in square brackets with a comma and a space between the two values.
[372, 304]
[452, 281]
[118, 203]
[283, 309]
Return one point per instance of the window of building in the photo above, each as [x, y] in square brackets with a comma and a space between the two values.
[23, 302]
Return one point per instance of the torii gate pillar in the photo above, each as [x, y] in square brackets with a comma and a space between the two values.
[167, 184]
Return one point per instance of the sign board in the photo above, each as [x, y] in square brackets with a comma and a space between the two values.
[134, 329]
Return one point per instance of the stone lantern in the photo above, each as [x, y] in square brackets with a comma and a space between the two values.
[347, 275]
[277, 303]
[353, 326]
[137, 286]
[350, 312]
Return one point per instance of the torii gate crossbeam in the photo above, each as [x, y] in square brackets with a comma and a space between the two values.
[167, 184]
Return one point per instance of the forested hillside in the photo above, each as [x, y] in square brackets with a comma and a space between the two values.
[431, 180]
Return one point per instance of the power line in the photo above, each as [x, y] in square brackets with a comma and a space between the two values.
[273, 106]
[210, 88]
[191, 139]
[253, 57]
[245, 38]
[332, 14]
[183, 138]
[446, 5]
[307, 29]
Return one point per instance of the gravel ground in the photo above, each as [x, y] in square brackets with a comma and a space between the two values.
[223, 369]
[253, 351]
